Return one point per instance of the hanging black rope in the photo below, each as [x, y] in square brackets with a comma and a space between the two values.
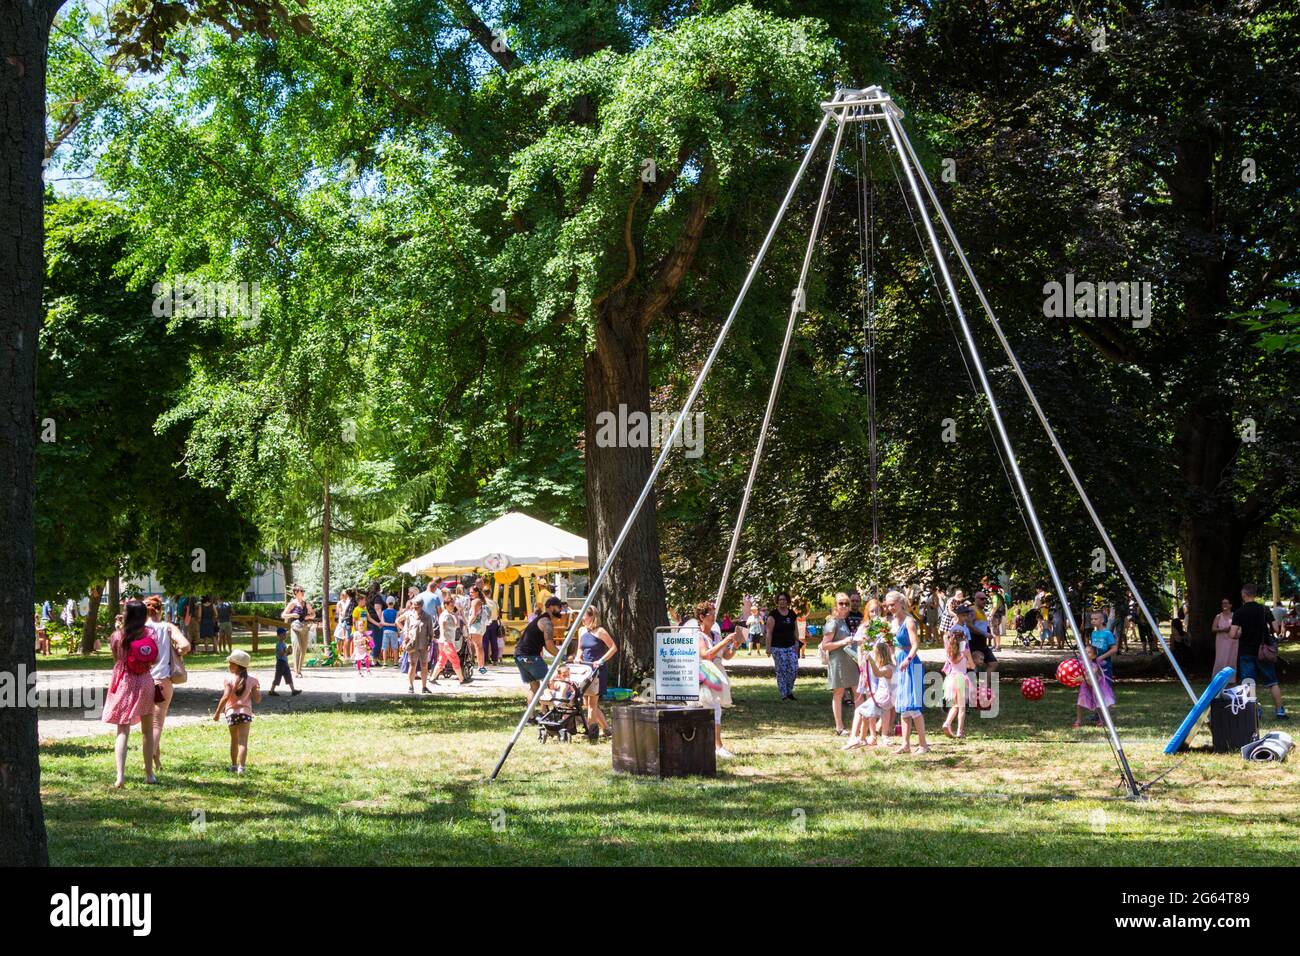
[866, 199]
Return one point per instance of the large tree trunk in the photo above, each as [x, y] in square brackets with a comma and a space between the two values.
[24, 30]
[90, 623]
[1210, 532]
[286, 565]
[1211, 551]
[115, 593]
[325, 565]
[631, 600]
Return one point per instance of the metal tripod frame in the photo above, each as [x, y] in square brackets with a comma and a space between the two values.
[872, 104]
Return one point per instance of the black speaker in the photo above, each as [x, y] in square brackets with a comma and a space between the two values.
[1230, 732]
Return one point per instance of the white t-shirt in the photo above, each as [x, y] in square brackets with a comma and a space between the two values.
[162, 668]
[448, 627]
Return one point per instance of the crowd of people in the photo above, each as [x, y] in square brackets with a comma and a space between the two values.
[874, 672]
[870, 649]
[871, 653]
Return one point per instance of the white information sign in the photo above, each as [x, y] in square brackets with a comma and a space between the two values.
[677, 664]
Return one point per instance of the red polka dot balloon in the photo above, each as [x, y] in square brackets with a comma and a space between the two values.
[1031, 688]
[1070, 672]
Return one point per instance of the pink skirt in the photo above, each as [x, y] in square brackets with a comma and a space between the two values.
[130, 696]
[1087, 701]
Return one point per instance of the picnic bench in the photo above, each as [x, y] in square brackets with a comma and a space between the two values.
[254, 623]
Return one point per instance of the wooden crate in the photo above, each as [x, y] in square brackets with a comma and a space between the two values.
[663, 741]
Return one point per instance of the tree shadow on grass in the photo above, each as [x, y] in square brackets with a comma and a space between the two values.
[361, 783]
[629, 821]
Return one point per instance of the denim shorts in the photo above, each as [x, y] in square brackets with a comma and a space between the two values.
[1263, 673]
[531, 668]
[391, 641]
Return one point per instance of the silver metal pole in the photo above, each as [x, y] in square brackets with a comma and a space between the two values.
[892, 125]
[1042, 417]
[667, 445]
[796, 306]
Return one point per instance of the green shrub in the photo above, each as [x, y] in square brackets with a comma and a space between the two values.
[68, 639]
[260, 608]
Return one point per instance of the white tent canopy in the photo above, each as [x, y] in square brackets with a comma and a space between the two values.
[513, 540]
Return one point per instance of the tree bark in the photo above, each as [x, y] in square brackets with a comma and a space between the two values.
[631, 601]
[24, 32]
[115, 593]
[286, 565]
[325, 564]
[90, 623]
[1210, 531]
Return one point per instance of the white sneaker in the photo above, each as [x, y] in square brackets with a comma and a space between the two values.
[724, 753]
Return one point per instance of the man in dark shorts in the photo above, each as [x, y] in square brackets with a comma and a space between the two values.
[537, 635]
[1252, 627]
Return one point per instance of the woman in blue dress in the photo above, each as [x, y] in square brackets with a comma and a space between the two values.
[596, 647]
[909, 679]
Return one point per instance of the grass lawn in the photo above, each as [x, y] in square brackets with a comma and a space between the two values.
[402, 782]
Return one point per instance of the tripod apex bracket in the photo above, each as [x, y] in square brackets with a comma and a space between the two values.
[857, 106]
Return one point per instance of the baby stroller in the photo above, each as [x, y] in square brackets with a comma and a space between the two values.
[1027, 629]
[565, 715]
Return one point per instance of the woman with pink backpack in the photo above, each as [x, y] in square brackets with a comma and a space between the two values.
[130, 690]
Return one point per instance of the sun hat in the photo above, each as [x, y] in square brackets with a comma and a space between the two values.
[239, 657]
